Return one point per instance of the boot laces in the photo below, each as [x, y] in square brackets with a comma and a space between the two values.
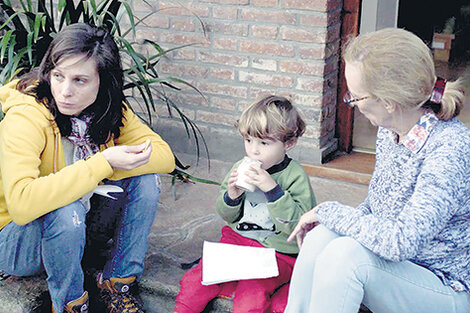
[121, 302]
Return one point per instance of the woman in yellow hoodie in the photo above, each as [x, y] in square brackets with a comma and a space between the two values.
[67, 134]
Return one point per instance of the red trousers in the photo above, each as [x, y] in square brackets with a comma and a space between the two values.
[252, 295]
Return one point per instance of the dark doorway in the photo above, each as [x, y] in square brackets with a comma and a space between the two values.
[425, 17]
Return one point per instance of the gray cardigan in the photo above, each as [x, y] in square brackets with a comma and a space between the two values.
[418, 203]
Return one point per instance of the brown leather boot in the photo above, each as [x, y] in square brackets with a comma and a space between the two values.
[76, 306]
[115, 293]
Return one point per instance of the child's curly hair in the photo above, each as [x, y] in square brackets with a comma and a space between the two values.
[272, 117]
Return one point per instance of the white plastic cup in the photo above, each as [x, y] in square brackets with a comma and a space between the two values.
[242, 169]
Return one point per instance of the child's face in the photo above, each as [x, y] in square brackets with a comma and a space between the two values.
[268, 151]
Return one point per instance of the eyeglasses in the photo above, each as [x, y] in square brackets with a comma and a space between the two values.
[350, 100]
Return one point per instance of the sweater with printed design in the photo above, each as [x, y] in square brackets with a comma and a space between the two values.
[269, 217]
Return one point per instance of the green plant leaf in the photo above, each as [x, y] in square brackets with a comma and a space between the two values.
[5, 43]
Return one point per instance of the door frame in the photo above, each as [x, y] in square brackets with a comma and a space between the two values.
[344, 113]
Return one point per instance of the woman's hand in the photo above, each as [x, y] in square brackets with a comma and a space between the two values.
[232, 190]
[127, 158]
[306, 223]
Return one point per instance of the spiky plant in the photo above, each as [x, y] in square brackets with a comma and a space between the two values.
[27, 28]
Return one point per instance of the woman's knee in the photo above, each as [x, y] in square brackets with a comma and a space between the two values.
[67, 222]
[342, 256]
[146, 186]
[315, 241]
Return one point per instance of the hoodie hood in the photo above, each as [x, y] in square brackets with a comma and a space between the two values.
[11, 97]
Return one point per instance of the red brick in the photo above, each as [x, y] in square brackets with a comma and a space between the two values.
[223, 58]
[257, 93]
[216, 118]
[181, 39]
[265, 3]
[177, 70]
[263, 15]
[150, 34]
[223, 103]
[162, 111]
[311, 114]
[268, 48]
[265, 31]
[225, 13]
[311, 132]
[187, 99]
[319, 51]
[236, 2]
[222, 89]
[223, 132]
[315, 35]
[183, 24]
[190, 9]
[319, 19]
[229, 28]
[222, 73]
[266, 79]
[140, 5]
[314, 5]
[224, 43]
[186, 53]
[311, 84]
[154, 20]
[264, 64]
[307, 100]
[308, 68]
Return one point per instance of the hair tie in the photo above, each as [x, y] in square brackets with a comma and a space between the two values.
[438, 90]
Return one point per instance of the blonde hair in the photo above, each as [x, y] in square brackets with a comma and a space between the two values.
[272, 117]
[398, 67]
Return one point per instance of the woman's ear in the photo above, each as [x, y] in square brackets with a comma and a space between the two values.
[290, 144]
[390, 107]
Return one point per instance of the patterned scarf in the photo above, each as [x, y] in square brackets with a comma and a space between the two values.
[79, 136]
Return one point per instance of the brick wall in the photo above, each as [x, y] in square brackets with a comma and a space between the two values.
[241, 51]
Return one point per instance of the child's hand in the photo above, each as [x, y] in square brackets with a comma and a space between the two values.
[260, 178]
[232, 190]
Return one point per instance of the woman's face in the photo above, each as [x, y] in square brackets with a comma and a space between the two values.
[75, 82]
[373, 109]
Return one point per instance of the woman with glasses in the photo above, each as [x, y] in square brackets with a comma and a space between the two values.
[406, 248]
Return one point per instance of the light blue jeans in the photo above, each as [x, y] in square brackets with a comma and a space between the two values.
[55, 242]
[335, 274]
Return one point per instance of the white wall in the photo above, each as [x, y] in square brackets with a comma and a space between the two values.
[378, 14]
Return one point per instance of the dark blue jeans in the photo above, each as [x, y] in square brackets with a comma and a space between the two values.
[56, 241]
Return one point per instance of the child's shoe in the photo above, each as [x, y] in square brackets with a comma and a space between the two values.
[115, 294]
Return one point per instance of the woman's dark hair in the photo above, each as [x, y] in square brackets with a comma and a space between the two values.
[97, 44]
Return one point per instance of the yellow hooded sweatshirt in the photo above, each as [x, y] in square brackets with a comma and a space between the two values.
[34, 179]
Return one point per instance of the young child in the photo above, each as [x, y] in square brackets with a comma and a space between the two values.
[262, 218]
